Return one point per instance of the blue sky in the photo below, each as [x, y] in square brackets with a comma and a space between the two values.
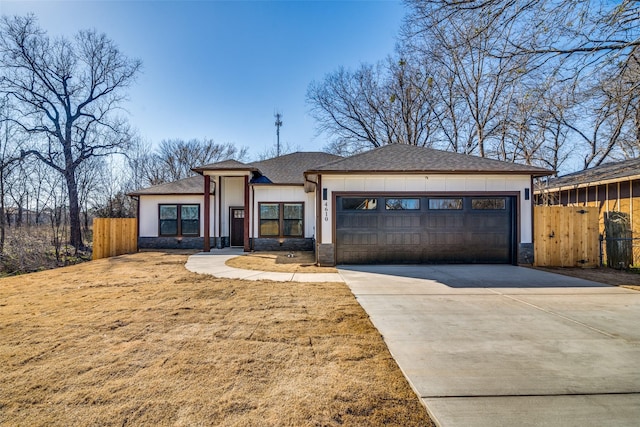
[220, 70]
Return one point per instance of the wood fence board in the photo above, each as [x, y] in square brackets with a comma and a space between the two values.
[566, 236]
[114, 236]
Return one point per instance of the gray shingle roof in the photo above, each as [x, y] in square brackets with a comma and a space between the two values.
[290, 168]
[285, 169]
[225, 165]
[191, 185]
[410, 158]
[606, 172]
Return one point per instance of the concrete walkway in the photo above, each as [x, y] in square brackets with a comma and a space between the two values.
[214, 263]
[508, 346]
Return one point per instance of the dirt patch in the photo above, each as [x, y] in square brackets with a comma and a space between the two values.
[608, 276]
[282, 262]
[139, 340]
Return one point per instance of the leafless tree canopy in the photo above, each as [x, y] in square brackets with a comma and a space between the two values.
[174, 158]
[545, 27]
[67, 95]
[541, 82]
[391, 102]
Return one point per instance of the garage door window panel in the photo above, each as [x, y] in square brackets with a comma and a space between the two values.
[445, 204]
[488, 204]
[402, 204]
[359, 204]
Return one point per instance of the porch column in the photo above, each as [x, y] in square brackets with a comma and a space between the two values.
[247, 247]
[207, 212]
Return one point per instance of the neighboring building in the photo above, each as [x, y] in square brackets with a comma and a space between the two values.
[394, 204]
[611, 187]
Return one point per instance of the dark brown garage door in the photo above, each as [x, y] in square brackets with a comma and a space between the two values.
[419, 229]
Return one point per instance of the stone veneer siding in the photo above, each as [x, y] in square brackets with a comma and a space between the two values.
[326, 255]
[170, 242]
[288, 244]
[181, 242]
[525, 253]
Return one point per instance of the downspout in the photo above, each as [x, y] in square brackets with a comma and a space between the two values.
[207, 212]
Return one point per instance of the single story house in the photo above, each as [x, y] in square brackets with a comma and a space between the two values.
[393, 204]
[611, 187]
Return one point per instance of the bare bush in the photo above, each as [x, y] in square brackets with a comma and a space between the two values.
[29, 249]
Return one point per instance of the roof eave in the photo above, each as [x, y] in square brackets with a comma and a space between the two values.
[174, 193]
[433, 172]
[588, 184]
[201, 170]
[260, 184]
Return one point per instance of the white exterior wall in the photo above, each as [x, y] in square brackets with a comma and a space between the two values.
[284, 193]
[232, 196]
[458, 184]
[149, 213]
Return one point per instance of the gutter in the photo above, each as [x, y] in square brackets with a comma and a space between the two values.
[535, 174]
[311, 182]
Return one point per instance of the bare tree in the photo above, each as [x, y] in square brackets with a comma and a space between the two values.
[270, 152]
[479, 83]
[9, 159]
[580, 51]
[601, 30]
[174, 158]
[389, 103]
[67, 95]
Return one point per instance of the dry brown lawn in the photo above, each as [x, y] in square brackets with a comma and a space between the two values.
[139, 340]
[300, 262]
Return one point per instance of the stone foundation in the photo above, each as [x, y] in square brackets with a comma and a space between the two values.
[170, 242]
[220, 242]
[525, 253]
[288, 244]
[326, 255]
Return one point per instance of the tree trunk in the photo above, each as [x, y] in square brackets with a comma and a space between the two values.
[75, 225]
[2, 213]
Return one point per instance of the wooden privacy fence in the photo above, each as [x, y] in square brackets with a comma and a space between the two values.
[566, 236]
[114, 236]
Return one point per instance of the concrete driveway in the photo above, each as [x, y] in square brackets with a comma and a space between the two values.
[508, 346]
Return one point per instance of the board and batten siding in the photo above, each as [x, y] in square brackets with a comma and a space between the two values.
[429, 183]
[148, 220]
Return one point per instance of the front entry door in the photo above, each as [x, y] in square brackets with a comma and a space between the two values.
[237, 227]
